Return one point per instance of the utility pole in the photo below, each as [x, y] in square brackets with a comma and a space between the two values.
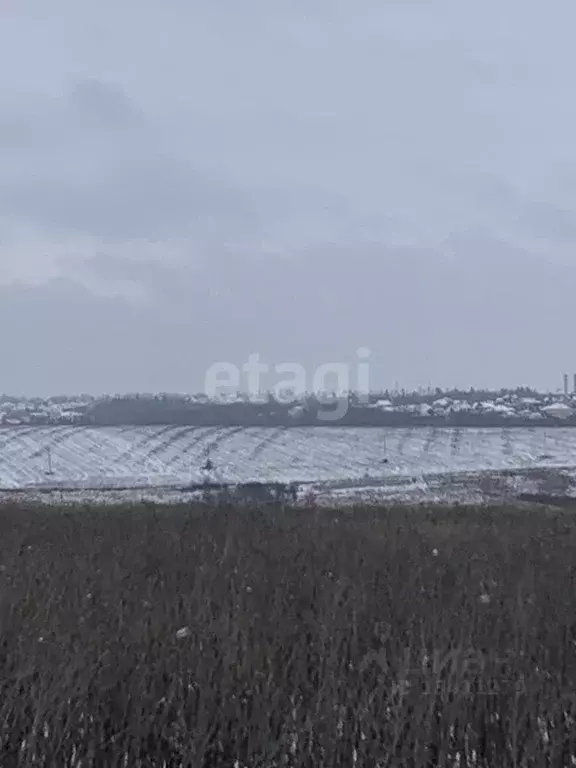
[208, 465]
[385, 459]
[49, 457]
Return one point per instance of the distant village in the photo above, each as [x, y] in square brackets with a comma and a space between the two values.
[454, 408]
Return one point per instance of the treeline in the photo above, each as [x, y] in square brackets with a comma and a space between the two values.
[387, 408]
[166, 409]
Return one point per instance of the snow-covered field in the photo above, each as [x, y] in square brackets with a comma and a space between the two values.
[88, 457]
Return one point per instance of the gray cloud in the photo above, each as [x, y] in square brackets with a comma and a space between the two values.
[424, 317]
[548, 222]
[124, 183]
[226, 179]
[105, 103]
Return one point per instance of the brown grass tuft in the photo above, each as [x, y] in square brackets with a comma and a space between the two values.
[190, 636]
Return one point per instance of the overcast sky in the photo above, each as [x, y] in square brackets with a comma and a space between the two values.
[188, 182]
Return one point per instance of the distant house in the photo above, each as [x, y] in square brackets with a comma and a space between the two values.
[558, 410]
[461, 406]
[530, 401]
[384, 405]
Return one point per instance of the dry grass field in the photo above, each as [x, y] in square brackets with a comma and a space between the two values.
[253, 638]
